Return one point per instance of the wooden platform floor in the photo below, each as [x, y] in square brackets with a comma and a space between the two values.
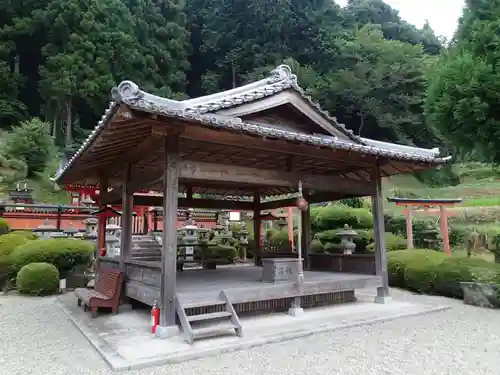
[243, 284]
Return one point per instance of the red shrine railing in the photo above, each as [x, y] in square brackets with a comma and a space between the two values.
[31, 216]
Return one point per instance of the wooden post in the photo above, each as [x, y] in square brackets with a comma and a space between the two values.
[444, 230]
[168, 326]
[101, 231]
[126, 219]
[58, 219]
[305, 217]
[257, 230]
[383, 295]
[409, 227]
[289, 220]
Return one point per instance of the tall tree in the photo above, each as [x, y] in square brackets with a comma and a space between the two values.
[464, 90]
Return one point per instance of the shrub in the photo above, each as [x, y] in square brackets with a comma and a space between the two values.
[459, 235]
[4, 226]
[398, 261]
[392, 243]
[454, 270]
[221, 253]
[64, 253]
[336, 216]
[38, 279]
[420, 273]
[317, 247]
[9, 242]
[364, 238]
[279, 238]
[26, 234]
[397, 225]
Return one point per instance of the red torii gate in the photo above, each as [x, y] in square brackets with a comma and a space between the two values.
[410, 203]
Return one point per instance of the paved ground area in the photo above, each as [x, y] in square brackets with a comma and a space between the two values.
[37, 338]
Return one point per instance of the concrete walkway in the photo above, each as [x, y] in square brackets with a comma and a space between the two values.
[37, 337]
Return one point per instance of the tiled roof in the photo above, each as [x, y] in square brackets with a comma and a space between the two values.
[198, 110]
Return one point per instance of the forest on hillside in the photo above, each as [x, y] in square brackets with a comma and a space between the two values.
[363, 63]
[381, 76]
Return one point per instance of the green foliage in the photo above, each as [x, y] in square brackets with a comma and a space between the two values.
[11, 241]
[317, 246]
[428, 271]
[38, 279]
[398, 262]
[392, 242]
[454, 270]
[464, 89]
[279, 238]
[31, 142]
[364, 238]
[63, 253]
[223, 254]
[4, 226]
[336, 216]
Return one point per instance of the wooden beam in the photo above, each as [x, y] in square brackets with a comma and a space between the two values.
[215, 204]
[199, 171]
[313, 198]
[169, 243]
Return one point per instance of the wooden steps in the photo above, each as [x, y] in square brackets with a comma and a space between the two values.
[145, 248]
[209, 324]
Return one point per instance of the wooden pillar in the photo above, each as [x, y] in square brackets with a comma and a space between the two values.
[289, 221]
[305, 217]
[126, 218]
[409, 227]
[383, 295]
[168, 325]
[444, 230]
[101, 227]
[257, 230]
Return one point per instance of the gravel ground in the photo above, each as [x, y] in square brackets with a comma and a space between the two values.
[37, 338]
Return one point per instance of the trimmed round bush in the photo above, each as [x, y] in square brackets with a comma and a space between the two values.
[279, 238]
[4, 226]
[398, 261]
[454, 270]
[64, 253]
[337, 215]
[392, 243]
[38, 279]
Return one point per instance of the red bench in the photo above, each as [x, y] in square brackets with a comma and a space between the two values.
[106, 292]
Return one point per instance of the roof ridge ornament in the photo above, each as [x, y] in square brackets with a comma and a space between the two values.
[126, 90]
[283, 73]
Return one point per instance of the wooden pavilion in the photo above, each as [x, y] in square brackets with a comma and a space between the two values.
[259, 141]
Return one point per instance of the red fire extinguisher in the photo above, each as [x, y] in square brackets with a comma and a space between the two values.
[155, 318]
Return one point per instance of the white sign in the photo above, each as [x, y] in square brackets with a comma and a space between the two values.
[234, 216]
[189, 250]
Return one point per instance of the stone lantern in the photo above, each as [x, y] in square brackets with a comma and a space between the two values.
[70, 231]
[243, 238]
[113, 233]
[91, 225]
[204, 234]
[282, 223]
[227, 234]
[45, 230]
[347, 236]
[189, 239]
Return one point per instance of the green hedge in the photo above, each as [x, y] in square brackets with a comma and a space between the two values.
[38, 279]
[392, 243]
[64, 253]
[223, 254]
[8, 242]
[432, 272]
[4, 226]
[337, 215]
[454, 270]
